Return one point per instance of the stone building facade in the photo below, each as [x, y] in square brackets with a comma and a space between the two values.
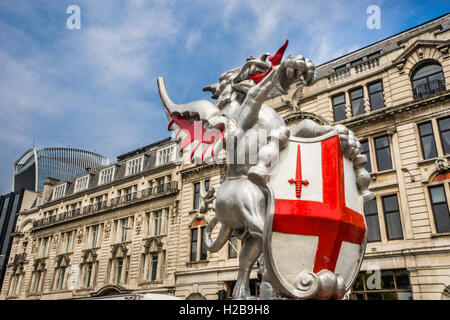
[135, 226]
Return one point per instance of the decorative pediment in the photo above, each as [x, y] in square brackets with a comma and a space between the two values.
[119, 250]
[422, 50]
[153, 244]
[110, 290]
[62, 260]
[39, 264]
[89, 255]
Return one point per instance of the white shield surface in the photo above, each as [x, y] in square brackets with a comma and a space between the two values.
[315, 219]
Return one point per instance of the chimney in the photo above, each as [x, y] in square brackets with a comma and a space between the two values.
[49, 185]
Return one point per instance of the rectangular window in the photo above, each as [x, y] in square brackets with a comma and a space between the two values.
[232, 247]
[88, 274]
[59, 191]
[427, 140]
[92, 236]
[165, 155]
[119, 266]
[382, 285]
[196, 194]
[106, 175]
[194, 236]
[163, 264]
[376, 95]
[440, 208]
[166, 222]
[373, 225]
[444, 130]
[203, 250]
[134, 166]
[154, 266]
[383, 153]
[124, 229]
[357, 101]
[339, 107]
[157, 215]
[68, 245]
[160, 185]
[81, 183]
[365, 151]
[392, 217]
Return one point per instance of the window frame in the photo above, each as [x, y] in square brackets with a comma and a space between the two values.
[417, 69]
[386, 147]
[360, 88]
[390, 212]
[445, 186]
[421, 136]
[168, 157]
[134, 166]
[59, 191]
[334, 106]
[440, 134]
[106, 175]
[82, 183]
[373, 93]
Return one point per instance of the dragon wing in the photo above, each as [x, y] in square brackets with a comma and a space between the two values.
[198, 127]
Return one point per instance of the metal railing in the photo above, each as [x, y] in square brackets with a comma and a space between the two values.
[153, 192]
[429, 88]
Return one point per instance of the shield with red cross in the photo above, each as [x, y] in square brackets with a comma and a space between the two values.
[315, 219]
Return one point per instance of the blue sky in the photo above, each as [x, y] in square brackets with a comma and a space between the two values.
[95, 88]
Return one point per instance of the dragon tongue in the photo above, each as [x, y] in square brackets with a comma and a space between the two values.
[274, 60]
[258, 77]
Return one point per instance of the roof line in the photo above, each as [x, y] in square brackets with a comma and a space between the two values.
[399, 33]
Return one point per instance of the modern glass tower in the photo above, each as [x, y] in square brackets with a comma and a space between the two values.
[31, 169]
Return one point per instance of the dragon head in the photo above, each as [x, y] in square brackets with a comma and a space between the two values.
[242, 79]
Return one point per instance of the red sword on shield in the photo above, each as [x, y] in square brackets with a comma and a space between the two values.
[298, 176]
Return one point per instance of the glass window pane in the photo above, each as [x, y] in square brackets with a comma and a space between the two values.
[437, 194]
[394, 226]
[374, 296]
[381, 142]
[444, 124]
[428, 147]
[358, 285]
[339, 113]
[402, 279]
[377, 100]
[387, 280]
[442, 217]
[357, 106]
[384, 160]
[404, 296]
[356, 93]
[425, 129]
[339, 99]
[194, 244]
[370, 207]
[426, 70]
[389, 296]
[374, 87]
[373, 228]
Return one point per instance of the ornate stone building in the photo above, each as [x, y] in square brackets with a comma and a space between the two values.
[135, 225]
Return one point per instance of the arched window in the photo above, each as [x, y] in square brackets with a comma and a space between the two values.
[427, 80]
[60, 278]
[198, 249]
[89, 268]
[119, 264]
[153, 260]
[37, 276]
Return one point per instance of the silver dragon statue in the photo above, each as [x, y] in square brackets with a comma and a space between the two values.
[252, 134]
